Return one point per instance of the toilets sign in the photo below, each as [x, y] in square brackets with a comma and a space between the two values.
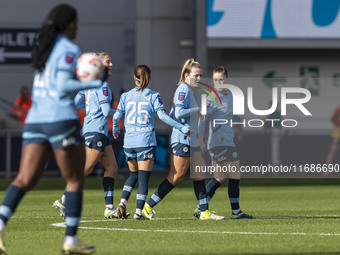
[16, 45]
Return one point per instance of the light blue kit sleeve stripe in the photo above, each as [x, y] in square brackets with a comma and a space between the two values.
[30, 135]
[203, 201]
[127, 188]
[141, 197]
[57, 138]
[6, 211]
[156, 198]
[234, 200]
[108, 193]
[72, 221]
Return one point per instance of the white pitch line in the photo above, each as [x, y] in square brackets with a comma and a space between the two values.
[63, 225]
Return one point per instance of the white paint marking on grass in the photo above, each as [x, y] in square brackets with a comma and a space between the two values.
[63, 225]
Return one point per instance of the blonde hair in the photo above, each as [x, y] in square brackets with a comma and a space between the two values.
[101, 54]
[186, 69]
[142, 75]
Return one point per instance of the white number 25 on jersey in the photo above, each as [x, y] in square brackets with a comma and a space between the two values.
[141, 116]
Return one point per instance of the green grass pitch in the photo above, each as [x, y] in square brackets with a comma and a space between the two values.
[294, 217]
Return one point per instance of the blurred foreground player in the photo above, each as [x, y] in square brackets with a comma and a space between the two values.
[52, 124]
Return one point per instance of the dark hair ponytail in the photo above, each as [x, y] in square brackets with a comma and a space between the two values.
[56, 21]
[143, 75]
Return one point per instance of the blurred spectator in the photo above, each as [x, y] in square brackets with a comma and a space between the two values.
[22, 104]
[335, 135]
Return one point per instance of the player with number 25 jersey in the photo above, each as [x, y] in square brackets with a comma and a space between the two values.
[140, 105]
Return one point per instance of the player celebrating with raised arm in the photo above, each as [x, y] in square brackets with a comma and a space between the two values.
[222, 148]
[140, 105]
[52, 124]
[95, 130]
[185, 110]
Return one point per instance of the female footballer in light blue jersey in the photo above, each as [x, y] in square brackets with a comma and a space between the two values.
[52, 124]
[221, 146]
[95, 132]
[140, 105]
[185, 110]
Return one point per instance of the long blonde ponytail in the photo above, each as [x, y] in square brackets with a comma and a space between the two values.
[186, 69]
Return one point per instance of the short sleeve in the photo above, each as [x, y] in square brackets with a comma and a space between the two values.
[158, 102]
[104, 94]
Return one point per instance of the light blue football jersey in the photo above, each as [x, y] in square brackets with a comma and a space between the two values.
[140, 107]
[94, 120]
[184, 98]
[49, 104]
[220, 134]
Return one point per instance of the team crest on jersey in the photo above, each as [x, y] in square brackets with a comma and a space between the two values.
[69, 58]
[99, 144]
[160, 100]
[181, 96]
[105, 91]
